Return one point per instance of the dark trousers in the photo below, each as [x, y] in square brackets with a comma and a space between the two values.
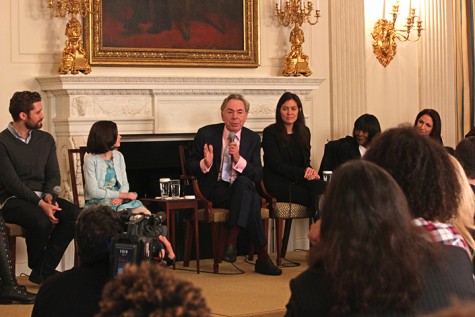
[244, 206]
[45, 242]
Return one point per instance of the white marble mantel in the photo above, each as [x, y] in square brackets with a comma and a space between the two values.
[164, 108]
[160, 105]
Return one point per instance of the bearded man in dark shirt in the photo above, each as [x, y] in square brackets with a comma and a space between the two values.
[29, 171]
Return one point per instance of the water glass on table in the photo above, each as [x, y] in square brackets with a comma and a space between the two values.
[175, 188]
[164, 187]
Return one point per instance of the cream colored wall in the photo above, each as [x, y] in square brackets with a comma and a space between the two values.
[339, 48]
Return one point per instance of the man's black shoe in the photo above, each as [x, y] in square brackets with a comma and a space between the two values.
[266, 267]
[38, 278]
[230, 254]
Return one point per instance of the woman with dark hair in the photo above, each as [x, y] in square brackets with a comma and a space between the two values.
[370, 259]
[288, 175]
[337, 152]
[428, 123]
[105, 173]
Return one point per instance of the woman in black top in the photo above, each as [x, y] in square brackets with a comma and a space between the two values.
[288, 175]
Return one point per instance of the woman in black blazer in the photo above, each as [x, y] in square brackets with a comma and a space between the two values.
[288, 175]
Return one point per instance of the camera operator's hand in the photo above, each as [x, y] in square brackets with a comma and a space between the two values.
[167, 250]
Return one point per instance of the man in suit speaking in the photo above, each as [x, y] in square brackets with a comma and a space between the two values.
[226, 159]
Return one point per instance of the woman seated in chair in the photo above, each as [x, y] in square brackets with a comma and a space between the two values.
[337, 152]
[104, 171]
[428, 124]
[288, 175]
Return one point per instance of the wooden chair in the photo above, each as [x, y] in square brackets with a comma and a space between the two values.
[76, 163]
[217, 217]
[284, 212]
[76, 172]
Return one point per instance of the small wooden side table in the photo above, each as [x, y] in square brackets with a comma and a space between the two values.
[172, 205]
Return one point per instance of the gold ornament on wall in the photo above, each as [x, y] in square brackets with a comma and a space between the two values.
[73, 59]
[296, 12]
[385, 33]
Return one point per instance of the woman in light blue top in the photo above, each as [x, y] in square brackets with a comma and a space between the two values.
[104, 171]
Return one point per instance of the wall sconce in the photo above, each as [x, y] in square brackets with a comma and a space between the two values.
[296, 12]
[74, 56]
[385, 33]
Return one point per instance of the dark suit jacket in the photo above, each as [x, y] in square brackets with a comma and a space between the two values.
[338, 152]
[279, 162]
[249, 149]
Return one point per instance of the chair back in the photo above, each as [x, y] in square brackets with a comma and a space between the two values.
[185, 151]
[76, 172]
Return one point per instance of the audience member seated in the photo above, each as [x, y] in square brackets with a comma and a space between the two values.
[428, 123]
[464, 220]
[369, 258]
[428, 178]
[105, 171]
[352, 147]
[77, 292]
[151, 290]
[465, 154]
[288, 175]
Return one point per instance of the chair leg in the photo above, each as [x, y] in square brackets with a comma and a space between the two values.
[218, 237]
[285, 239]
[278, 239]
[188, 242]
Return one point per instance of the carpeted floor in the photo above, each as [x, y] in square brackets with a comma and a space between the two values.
[228, 293]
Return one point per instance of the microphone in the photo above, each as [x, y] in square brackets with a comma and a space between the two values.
[231, 138]
[56, 191]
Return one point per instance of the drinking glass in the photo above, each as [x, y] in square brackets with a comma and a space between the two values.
[164, 187]
[175, 188]
[327, 175]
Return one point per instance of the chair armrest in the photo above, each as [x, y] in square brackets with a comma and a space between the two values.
[203, 201]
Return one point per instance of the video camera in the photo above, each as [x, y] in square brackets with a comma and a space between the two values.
[140, 241]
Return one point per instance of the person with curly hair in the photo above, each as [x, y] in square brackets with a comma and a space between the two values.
[370, 259]
[423, 170]
[151, 290]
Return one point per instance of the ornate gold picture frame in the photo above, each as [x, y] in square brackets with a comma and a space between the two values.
[208, 33]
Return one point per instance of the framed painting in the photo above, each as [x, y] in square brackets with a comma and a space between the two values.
[208, 33]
